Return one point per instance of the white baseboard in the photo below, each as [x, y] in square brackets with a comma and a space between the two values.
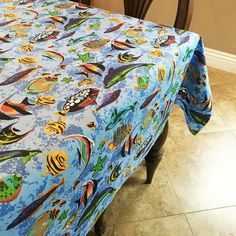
[221, 60]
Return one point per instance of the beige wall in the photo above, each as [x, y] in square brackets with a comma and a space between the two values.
[215, 20]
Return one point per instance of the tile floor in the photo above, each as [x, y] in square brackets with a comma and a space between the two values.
[194, 190]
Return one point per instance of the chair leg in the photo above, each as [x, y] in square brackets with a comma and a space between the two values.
[154, 157]
[100, 225]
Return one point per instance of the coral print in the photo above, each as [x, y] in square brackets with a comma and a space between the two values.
[84, 94]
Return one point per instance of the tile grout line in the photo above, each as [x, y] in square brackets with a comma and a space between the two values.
[171, 215]
[172, 186]
[186, 218]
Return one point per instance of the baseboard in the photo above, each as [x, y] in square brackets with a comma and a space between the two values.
[221, 60]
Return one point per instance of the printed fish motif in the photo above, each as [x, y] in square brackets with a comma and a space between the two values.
[166, 109]
[82, 6]
[45, 100]
[99, 197]
[75, 22]
[31, 12]
[23, 2]
[184, 40]
[86, 14]
[122, 45]
[45, 36]
[71, 220]
[5, 39]
[57, 19]
[114, 76]
[164, 40]
[127, 57]
[27, 60]
[18, 76]
[116, 172]
[88, 190]
[200, 118]
[133, 32]
[56, 163]
[64, 6]
[72, 42]
[4, 51]
[143, 147]
[119, 135]
[92, 68]
[54, 56]
[201, 58]
[31, 209]
[8, 135]
[10, 187]
[66, 35]
[87, 146]
[80, 100]
[96, 44]
[148, 119]
[10, 110]
[118, 116]
[114, 28]
[7, 22]
[150, 98]
[86, 82]
[5, 60]
[55, 128]
[42, 84]
[43, 223]
[26, 154]
[142, 82]
[63, 216]
[126, 149]
[109, 98]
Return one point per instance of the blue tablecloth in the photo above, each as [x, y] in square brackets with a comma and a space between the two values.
[84, 94]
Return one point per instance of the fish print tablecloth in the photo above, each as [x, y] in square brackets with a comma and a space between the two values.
[84, 94]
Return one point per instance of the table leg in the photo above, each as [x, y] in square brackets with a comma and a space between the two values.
[100, 225]
[154, 157]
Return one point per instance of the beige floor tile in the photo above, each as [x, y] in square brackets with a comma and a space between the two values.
[167, 226]
[221, 77]
[202, 170]
[227, 112]
[138, 201]
[220, 222]
[234, 132]
[223, 92]
[178, 124]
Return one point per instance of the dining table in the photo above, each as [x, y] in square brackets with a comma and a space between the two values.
[84, 95]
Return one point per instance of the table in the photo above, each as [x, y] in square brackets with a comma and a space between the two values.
[84, 95]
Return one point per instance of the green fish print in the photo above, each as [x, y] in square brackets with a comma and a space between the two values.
[10, 188]
[118, 116]
[114, 76]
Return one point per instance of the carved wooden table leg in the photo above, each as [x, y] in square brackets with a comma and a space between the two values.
[154, 157]
[100, 226]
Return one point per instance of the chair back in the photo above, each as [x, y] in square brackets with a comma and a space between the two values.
[139, 9]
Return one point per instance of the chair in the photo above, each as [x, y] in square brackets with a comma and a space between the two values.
[139, 9]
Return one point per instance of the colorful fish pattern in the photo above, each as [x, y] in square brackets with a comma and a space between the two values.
[84, 94]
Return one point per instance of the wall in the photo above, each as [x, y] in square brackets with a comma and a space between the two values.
[213, 19]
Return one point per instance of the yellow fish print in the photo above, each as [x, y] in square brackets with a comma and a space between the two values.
[56, 163]
[26, 47]
[55, 127]
[27, 60]
[45, 100]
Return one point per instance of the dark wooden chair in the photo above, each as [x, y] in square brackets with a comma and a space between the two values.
[139, 9]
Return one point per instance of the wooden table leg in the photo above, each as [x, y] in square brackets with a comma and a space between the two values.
[100, 225]
[154, 157]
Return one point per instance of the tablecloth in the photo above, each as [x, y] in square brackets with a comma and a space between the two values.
[84, 94]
